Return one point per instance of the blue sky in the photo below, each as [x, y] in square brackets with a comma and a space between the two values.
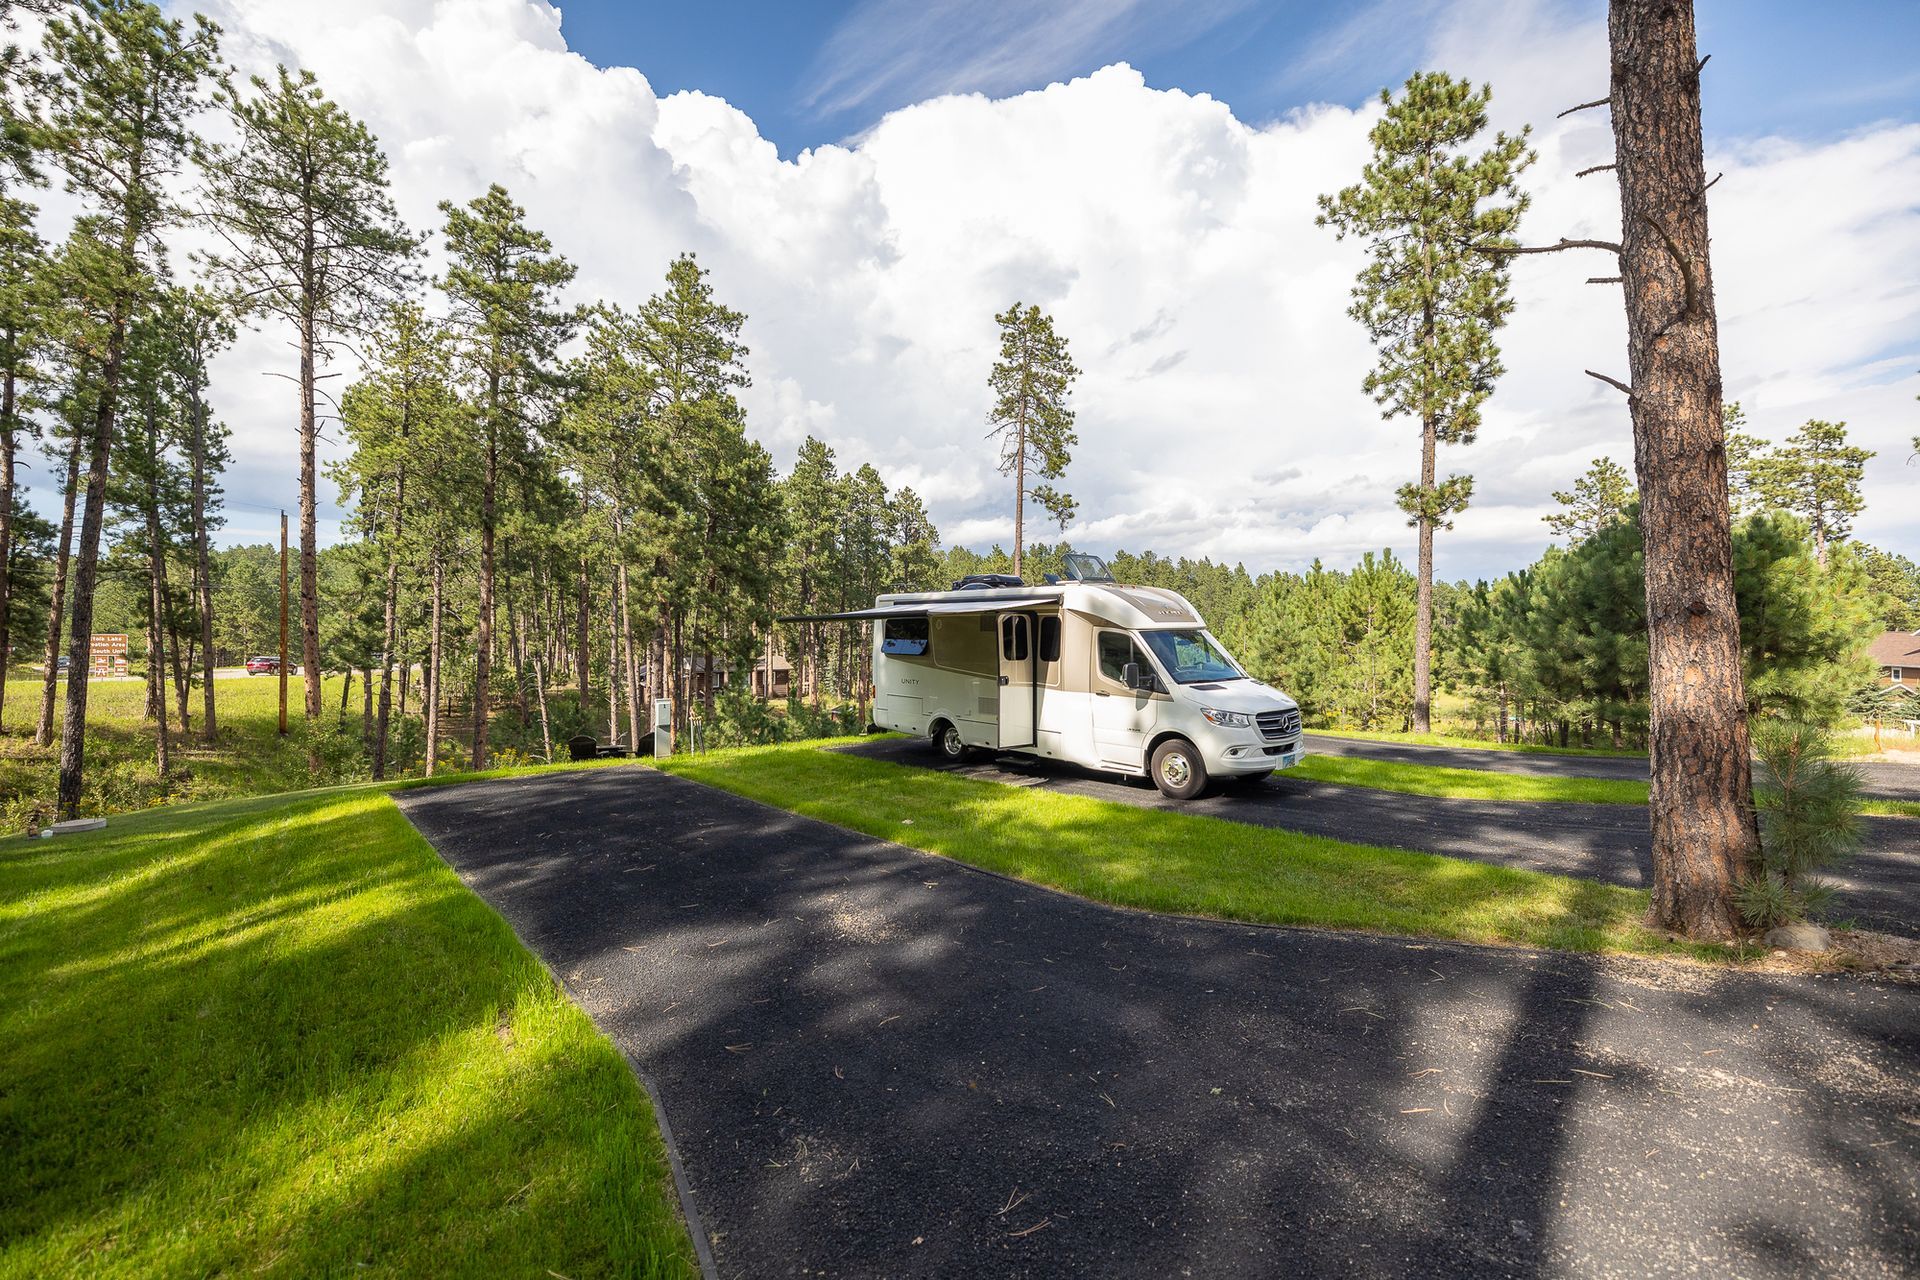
[817, 72]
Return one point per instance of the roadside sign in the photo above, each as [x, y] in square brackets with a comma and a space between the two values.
[107, 655]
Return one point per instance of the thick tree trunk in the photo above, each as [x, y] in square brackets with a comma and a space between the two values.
[309, 536]
[56, 613]
[86, 569]
[1704, 830]
[435, 677]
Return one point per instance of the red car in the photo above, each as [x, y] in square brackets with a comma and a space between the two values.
[265, 665]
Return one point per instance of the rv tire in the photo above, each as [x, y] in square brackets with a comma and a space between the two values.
[948, 744]
[1178, 770]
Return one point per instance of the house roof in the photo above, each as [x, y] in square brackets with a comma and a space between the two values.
[1896, 649]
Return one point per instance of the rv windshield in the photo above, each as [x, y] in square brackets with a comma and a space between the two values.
[1191, 657]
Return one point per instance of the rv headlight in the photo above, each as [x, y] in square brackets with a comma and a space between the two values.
[1229, 719]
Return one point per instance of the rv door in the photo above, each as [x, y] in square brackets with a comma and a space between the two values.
[1017, 691]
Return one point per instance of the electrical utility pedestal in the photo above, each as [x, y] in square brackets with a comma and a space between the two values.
[662, 726]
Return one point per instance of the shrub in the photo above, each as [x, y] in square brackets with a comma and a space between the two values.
[1808, 804]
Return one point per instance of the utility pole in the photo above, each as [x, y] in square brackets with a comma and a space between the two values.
[283, 623]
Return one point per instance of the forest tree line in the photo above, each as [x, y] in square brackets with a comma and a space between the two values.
[557, 514]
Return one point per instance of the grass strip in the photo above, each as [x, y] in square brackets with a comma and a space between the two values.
[1489, 784]
[1476, 744]
[1162, 861]
[277, 1034]
[1468, 784]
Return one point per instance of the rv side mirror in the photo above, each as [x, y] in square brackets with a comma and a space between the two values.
[1131, 677]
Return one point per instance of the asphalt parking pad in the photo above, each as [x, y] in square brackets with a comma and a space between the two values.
[877, 1062]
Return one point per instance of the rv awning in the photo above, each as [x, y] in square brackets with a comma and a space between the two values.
[930, 608]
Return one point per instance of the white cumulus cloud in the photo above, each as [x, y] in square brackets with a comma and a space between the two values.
[1220, 410]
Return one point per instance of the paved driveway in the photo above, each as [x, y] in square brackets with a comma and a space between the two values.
[877, 1062]
[1879, 888]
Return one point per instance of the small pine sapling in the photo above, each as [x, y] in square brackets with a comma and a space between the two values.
[1809, 819]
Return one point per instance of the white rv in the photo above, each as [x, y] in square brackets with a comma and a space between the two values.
[1115, 678]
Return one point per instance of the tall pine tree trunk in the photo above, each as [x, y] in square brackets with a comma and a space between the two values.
[540, 689]
[582, 656]
[309, 535]
[630, 661]
[1704, 831]
[483, 631]
[86, 569]
[613, 665]
[1423, 607]
[389, 630]
[56, 613]
[203, 570]
[7, 403]
[435, 676]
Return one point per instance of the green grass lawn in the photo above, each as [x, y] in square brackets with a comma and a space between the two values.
[251, 757]
[1479, 744]
[1164, 861]
[1488, 784]
[279, 1036]
[1470, 784]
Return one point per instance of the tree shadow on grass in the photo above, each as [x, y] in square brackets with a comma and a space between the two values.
[311, 1050]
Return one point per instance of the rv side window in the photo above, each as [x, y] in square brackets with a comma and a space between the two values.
[1013, 638]
[1116, 651]
[1049, 639]
[905, 637]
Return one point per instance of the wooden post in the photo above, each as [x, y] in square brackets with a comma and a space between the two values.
[283, 624]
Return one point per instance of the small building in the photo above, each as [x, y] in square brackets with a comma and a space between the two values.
[723, 677]
[1897, 655]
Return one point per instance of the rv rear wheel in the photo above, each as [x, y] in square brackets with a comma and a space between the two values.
[1178, 770]
[947, 741]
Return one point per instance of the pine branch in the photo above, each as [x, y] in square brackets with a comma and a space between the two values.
[1584, 106]
[1615, 383]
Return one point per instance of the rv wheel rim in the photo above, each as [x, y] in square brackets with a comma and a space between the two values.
[950, 742]
[1176, 770]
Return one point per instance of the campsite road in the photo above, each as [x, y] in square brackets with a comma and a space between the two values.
[877, 1062]
[1879, 887]
[1880, 781]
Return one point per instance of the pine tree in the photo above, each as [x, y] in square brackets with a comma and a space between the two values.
[810, 495]
[22, 335]
[1701, 811]
[308, 234]
[1434, 291]
[501, 279]
[22, 83]
[126, 82]
[397, 417]
[1031, 384]
[1598, 499]
[1816, 475]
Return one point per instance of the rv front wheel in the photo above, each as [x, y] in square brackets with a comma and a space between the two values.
[1178, 770]
[947, 741]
